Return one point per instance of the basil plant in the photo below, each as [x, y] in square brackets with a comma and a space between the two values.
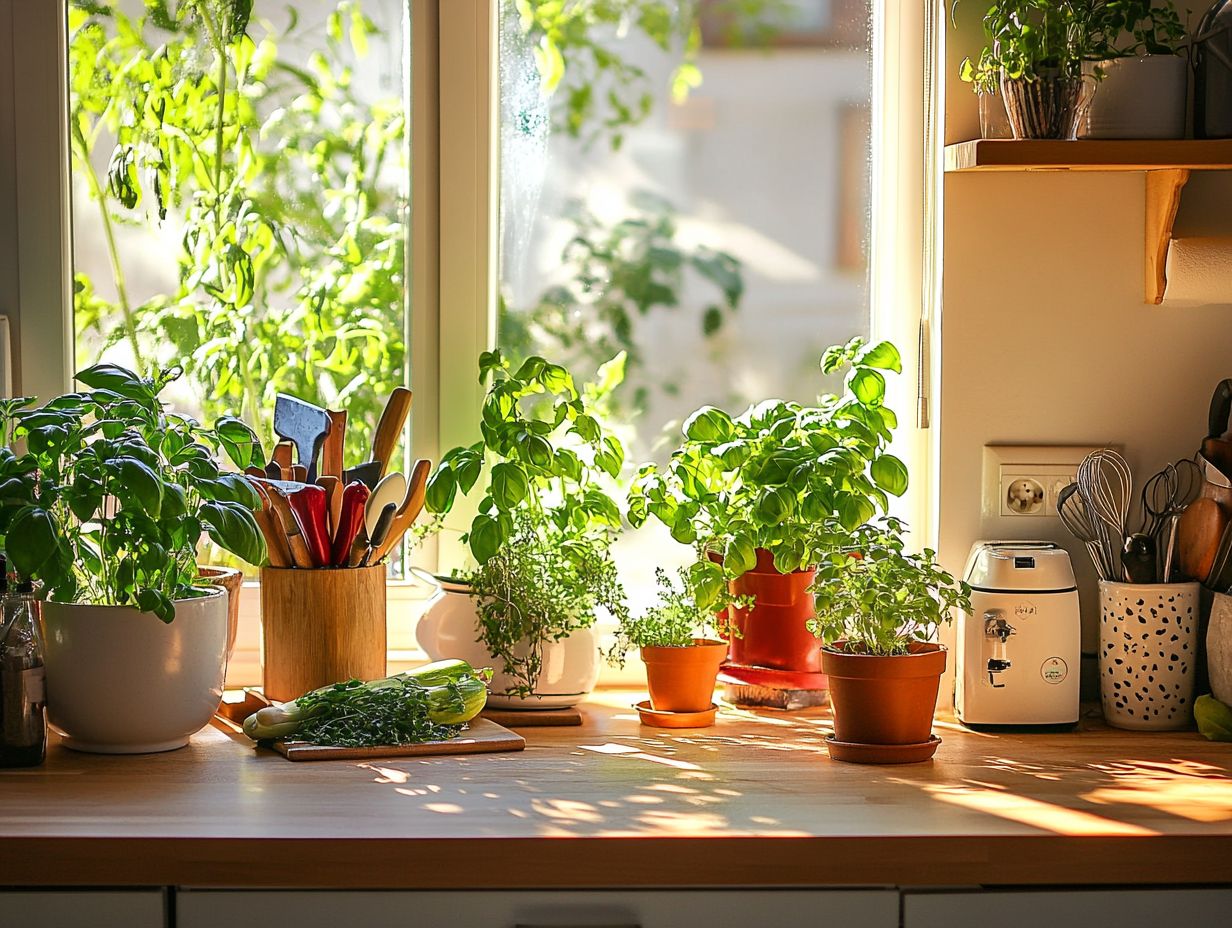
[543, 536]
[782, 477]
[112, 494]
[873, 597]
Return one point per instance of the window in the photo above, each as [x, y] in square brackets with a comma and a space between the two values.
[687, 185]
[694, 182]
[240, 200]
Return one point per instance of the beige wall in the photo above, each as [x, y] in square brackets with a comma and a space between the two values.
[1045, 337]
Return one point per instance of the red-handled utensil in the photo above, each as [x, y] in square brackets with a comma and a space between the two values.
[351, 520]
[311, 506]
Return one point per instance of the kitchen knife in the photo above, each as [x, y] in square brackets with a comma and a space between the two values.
[378, 536]
[303, 424]
[369, 473]
[311, 512]
[350, 522]
[389, 428]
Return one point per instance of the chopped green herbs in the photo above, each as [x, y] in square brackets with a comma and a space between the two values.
[353, 715]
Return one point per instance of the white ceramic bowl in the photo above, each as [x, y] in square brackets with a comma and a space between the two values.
[120, 681]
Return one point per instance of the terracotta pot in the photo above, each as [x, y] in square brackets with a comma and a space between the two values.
[230, 579]
[884, 700]
[774, 632]
[682, 679]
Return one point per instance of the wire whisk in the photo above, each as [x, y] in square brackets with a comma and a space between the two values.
[1077, 520]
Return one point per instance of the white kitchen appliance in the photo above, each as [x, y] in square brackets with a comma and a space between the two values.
[1019, 649]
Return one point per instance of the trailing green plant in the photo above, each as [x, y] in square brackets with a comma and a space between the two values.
[873, 597]
[545, 525]
[616, 276]
[783, 477]
[113, 494]
[696, 607]
[1025, 39]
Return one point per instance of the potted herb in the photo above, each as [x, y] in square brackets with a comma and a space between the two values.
[1035, 54]
[770, 492]
[105, 509]
[681, 640]
[878, 609]
[541, 540]
[1144, 79]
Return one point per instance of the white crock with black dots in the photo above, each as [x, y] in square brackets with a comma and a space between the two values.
[1148, 640]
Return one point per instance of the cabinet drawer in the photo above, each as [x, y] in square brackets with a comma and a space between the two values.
[567, 909]
[83, 909]
[1078, 908]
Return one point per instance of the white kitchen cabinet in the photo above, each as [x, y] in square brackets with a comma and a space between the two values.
[83, 909]
[1077, 908]
[525, 909]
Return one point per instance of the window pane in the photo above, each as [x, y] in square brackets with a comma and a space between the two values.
[240, 196]
[689, 183]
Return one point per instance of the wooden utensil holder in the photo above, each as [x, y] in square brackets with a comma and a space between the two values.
[320, 627]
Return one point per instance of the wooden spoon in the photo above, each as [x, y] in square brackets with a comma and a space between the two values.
[1198, 534]
[412, 505]
[389, 429]
[276, 545]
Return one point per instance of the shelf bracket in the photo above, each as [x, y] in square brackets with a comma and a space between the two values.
[1163, 197]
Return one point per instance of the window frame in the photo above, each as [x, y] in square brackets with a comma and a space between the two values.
[451, 313]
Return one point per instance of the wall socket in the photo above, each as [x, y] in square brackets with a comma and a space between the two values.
[1024, 481]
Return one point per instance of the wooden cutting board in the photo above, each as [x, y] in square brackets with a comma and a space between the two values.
[534, 718]
[482, 737]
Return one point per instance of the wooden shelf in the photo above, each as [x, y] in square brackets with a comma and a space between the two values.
[1166, 163]
[1089, 155]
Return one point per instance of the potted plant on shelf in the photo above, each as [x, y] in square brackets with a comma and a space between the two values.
[1143, 83]
[878, 609]
[682, 643]
[768, 493]
[1035, 54]
[541, 540]
[105, 509]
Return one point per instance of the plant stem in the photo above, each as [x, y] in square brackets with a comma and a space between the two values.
[113, 252]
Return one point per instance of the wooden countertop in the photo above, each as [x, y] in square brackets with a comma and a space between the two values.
[752, 801]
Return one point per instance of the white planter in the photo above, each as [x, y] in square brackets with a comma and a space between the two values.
[1139, 98]
[1148, 643]
[120, 681]
[1219, 648]
[450, 629]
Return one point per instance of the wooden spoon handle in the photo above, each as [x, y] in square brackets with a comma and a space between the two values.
[335, 443]
[389, 429]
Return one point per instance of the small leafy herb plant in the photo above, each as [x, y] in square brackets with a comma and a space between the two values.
[875, 598]
[114, 492]
[686, 611]
[783, 477]
[544, 531]
[1029, 39]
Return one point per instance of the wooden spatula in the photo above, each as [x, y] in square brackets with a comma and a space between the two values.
[1198, 535]
[408, 512]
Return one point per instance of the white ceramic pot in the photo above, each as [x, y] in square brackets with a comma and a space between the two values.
[1219, 648]
[1139, 98]
[1148, 644]
[120, 681]
[450, 629]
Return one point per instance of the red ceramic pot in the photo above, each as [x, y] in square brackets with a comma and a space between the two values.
[774, 632]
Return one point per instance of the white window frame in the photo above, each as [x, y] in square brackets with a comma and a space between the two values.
[452, 304]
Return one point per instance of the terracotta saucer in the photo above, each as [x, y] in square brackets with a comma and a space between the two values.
[659, 719]
[882, 753]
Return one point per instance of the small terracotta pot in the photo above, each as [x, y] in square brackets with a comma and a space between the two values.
[682, 679]
[884, 700]
[232, 580]
[774, 632]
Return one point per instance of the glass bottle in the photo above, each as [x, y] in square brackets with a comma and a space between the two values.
[23, 719]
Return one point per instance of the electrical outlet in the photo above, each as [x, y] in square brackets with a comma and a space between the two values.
[1025, 481]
